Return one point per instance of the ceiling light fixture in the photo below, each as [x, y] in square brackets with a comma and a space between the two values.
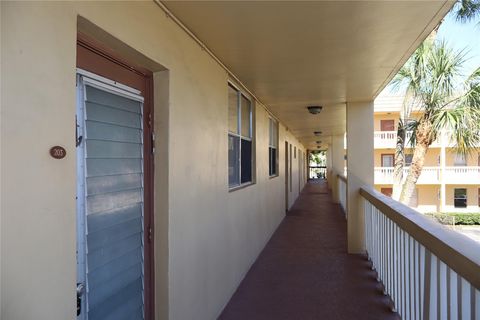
[318, 142]
[317, 133]
[314, 109]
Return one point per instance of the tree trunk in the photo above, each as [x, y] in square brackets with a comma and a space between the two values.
[423, 141]
[399, 162]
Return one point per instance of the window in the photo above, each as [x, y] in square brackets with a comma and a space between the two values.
[460, 160]
[408, 159]
[460, 198]
[479, 197]
[388, 160]
[240, 149]
[273, 148]
[387, 125]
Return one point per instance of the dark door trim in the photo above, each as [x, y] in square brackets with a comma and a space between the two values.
[287, 154]
[95, 57]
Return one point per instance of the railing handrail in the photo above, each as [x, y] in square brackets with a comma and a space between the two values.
[462, 167]
[459, 252]
[344, 179]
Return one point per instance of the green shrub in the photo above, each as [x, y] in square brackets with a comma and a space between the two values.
[457, 218]
[466, 218]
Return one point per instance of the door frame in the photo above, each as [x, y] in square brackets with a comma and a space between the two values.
[94, 57]
[286, 176]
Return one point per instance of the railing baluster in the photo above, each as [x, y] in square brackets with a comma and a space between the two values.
[420, 284]
[453, 297]
[476, 314]
[466, 297]
[442, 286]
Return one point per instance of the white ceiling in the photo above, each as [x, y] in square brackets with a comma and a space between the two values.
[291, 54]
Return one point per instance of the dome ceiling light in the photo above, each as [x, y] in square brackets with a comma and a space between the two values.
[314, 109]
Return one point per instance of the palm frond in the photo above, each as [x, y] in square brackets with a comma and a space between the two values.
[467, 10]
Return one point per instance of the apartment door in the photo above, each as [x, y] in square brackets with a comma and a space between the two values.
[387, 191]
[387, 125]
[388, 160]
[114, 189]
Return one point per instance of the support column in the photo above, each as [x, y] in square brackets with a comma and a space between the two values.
[360, 156]
[330, 177]
[443, 193]
[338, 163]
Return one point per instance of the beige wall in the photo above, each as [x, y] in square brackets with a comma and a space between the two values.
[472, 199]
[472, 158]
[431, 158]
[213, 235]
[378, 116]
[427, 197]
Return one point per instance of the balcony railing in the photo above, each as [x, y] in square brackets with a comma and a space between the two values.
[429, 175]
[428, 271]
[462, 175]
[342, 193]
[388, 139]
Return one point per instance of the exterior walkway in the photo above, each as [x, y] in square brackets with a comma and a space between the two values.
[304, 272]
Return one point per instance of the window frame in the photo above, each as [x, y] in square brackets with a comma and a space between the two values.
[455, 198]
[382, 159]
[272, 121]
[240, 136]
[460, 160]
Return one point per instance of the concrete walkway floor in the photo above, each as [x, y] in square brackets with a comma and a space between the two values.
[304, 272]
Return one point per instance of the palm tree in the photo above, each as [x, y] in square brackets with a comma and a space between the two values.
[434, 85]
[467, 10]
[464, 11]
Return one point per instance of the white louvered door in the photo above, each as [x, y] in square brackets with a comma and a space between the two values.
[110, 199]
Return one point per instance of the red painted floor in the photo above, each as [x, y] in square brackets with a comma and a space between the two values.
[304, 272]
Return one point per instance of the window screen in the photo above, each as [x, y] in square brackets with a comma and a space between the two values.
[240, 141]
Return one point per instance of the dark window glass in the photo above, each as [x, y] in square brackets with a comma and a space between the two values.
[460, 198]
[272, 157]
[408, 159]
[246, 162]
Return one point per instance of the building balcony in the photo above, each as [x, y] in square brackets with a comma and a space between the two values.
[388, 140]
[462, 175]
[429, 175]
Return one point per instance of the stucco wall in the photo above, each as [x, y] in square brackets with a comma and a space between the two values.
[472, 199]
[472, 158]
[214, 235]
[431, 158]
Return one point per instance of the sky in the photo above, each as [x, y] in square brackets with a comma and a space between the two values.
[461, 36]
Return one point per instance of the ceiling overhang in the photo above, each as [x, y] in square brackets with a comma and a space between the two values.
[292, 54]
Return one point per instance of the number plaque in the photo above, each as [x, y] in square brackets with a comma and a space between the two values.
[58, 152]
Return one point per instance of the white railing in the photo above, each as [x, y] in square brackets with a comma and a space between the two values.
[342, 193]
[462, 175]
[385, 139]
[428, 271]
[388, 139]
[429, 175]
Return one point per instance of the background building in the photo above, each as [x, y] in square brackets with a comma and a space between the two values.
[449, 181]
